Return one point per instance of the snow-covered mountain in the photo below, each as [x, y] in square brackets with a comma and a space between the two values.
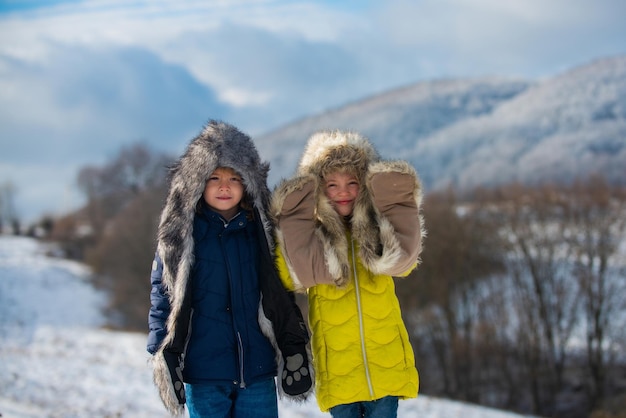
[57, 359]
[485, 131]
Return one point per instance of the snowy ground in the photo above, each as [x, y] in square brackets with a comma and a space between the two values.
[57, 361]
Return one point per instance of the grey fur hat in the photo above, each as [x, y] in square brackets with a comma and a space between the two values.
[218, 145]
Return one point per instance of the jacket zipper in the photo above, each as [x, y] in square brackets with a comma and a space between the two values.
[361, 328]
[242, 382]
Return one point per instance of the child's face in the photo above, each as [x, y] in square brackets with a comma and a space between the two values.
[223, 191]
[342, 190]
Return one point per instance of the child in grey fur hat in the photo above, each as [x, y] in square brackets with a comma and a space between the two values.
[222, 325]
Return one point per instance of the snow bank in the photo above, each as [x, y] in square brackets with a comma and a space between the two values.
[56, 360]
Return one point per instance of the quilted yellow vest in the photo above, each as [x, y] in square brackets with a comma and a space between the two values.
[361, 348]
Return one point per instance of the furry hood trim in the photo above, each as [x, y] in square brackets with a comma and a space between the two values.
[328, 151]
[218, 145]
[386, 220]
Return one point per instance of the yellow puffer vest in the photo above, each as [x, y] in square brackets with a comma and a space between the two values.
[361, 348]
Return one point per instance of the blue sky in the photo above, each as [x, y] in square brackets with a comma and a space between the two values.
[21, 5]
[80, 79]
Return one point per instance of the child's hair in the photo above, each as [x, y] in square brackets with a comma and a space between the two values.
[246, 202]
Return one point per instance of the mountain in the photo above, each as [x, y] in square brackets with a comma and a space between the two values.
[485, 131]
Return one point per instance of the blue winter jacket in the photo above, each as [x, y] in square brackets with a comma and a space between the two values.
[225, 343]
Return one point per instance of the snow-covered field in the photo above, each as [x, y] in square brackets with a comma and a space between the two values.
[57, 360]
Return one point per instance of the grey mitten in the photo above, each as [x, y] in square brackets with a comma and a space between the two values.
[295, 378]
[174, 366]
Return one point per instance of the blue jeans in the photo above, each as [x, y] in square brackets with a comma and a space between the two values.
[386, 407]
[230, 401]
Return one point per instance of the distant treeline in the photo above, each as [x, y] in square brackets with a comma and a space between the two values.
[518, 302]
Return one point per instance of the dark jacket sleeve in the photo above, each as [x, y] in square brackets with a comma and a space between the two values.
[280, 307]
[159, 307]
[279, 304]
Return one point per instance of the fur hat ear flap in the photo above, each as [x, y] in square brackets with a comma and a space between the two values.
[330, 230]
[366, 229]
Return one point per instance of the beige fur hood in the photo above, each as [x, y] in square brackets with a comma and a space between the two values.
[386, 222]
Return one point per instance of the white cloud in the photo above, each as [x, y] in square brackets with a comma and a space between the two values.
[401, 40]
[518, 37]
[80, 78]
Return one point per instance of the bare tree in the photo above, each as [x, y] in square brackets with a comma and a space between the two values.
[518, 302]
[567, 278]
[597, 214]
[122, 259]
[460, 251]
[124, 200]
[536, 229]
[8, 213]
[110, 187]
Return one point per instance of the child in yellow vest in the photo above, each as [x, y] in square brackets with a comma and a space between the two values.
[346, 224]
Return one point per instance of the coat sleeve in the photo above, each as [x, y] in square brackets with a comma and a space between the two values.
[304, 254]
[396, 193]
[159, 307]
